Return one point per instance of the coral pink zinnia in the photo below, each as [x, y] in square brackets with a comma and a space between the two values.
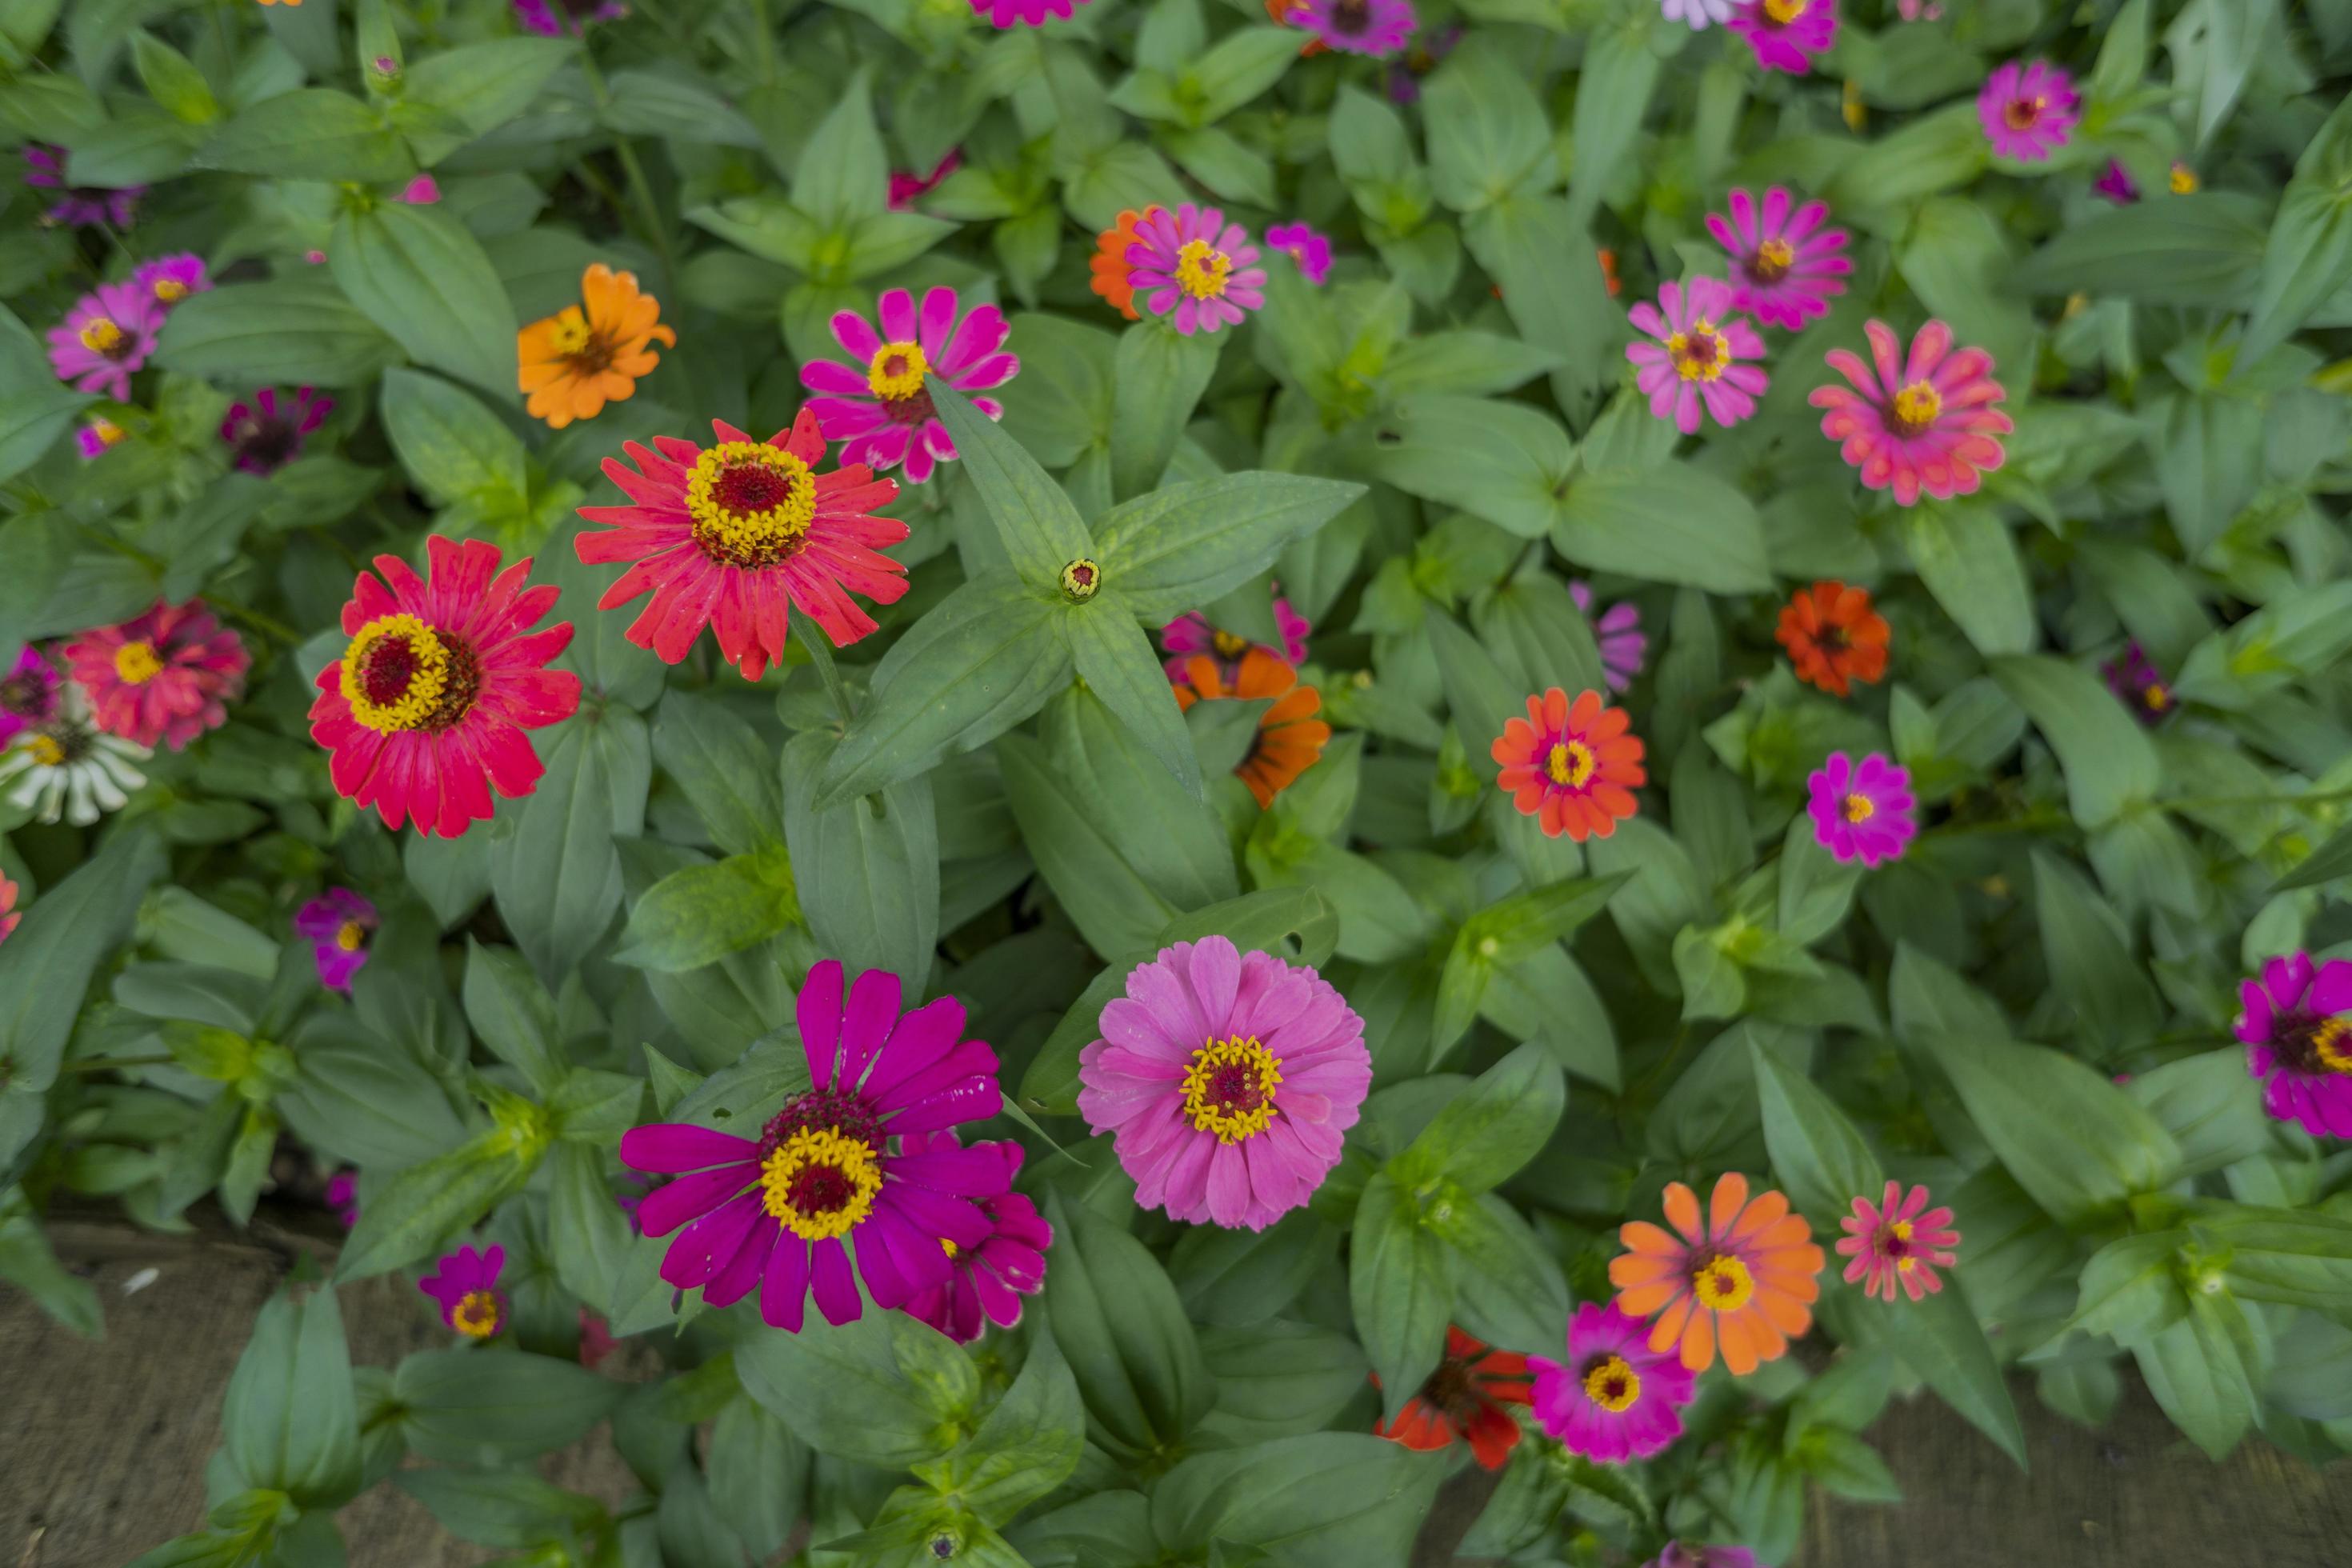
[425, 711]
[881, 406]
[1785, 266]
[1696, 359]
[1924, 423]
[734, 536]
[1192, 264]
[1895, 1242]
[165, 677]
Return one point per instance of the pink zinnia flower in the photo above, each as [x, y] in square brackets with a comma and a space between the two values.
[165, 676]
[420, 192]
[29, 694]
[1924, 423]
[92, 439]
[1618, 633]
[554, 18]
[107, 334]
[987, 1282]
[1194, 263]
[772, 1214]
[1375, 27]
[2117, 184]
[2028, 110]
[881, 405]
[1863, 809]
[906, 187]
[343, 1197]
[1190, 635]
[1022, 12]
[1299, 242]
[1228, 1080]
[78, 206]
[1688, 1554]
[266, 433]
[467, 1286]
[1893, 1242]
[1785, 268]
[1696, 358]
[337, 924]
[2299, 1043]
[2140, 686]
[170, 279]
[1787, 33]
[1614, 1398]
[9, 913]
[732, 536]
[1698, 13]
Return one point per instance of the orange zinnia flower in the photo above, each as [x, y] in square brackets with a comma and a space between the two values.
[1743, 1279]
[1609, 272]
[1464, 1398]
[1110, 265]
[1834, 637]
[1289, 737]
[1571, 764]
[578, 360]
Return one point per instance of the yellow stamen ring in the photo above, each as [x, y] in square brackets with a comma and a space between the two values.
[1571, 764]
[386, 709]
[897, 371]
[476, 1315]
[1723, 1284]
[751, 502]
[820, 1184]
[1612, 1384]
[1201, 269]
[1229, 1089]
[137, 664]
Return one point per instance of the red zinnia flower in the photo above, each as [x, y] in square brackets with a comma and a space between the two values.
[426, 710]
[1570, 765]
[1464, 1398]
[734, 536]
[1834, 637]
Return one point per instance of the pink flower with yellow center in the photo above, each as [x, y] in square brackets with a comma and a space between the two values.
[338, 924]
[465, 1284]
[105, 337]
[986, 1282]
[165, 677]
[1614, 1398]
[1862, 810]
[1697, 356]
[1925, 422]
[1374, 27]
[1193, 265]
[1897, 1241]
[1786, 266]
[9, 913]
[172, 279]
[2028, 110]
[1787, 33]
[1571, 764]
[880, 405]
[2295, 1022]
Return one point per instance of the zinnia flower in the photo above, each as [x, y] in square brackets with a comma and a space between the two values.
[467, 1286]
[2182, 180]
[28, 693]
[1611, 283]
[1571, 764]
[1861, 809]
[2139, 686]
[1228, 1081]
[986, 1282]
[1892, 1242]
[1614, 1398]
[343, 1197]
[1375, 27]
[424, 714]
[420, 192]
[1787, 33]
[772, 1214]
[9, 913]
[71, 768]
[165, 676]
[1785, 268]
[1696, 359]
[2117, 184]
[170, 279]
[1927, 423]
[733, 536]
[1026, 13]
[586, 355]
[597, 1340]
[1697, 13]
[1467, 1396]
[2028, 110]
[337, 924]
[2299, 1042]
[1190, 632]
[1289, 737]
[1194, 263]
[1687, 1554]
[1618, 634]
[266, 433]
[1309, 249]
[1834, 637]
[1742, 1279]
[554, 18]
[96, 437]
[106, 335]
[78, 206]
[1112, 271]
[882, 405]
[905, 187]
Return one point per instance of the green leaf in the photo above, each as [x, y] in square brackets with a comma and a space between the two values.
[758, 1474]
[1188, 544]
[1401, 1288]
[2326, 864]
[1158, 374]
[1508, 463]
[288, 1421]
[427, 1205]
[464, 1406]
[1115, 661]
[172, 80]
[2089, 956]
[1026, 1447]
[2110, 765]
[1116, 1318]
[1965, 555]
[2308, 256]
[881, 1389]
[1817, 1152]
[1509, 1289]
[2130, 1289]
[483, 86]
[2198, 252]
[2204, 1370]
[297, 330]
[586, 1232]
[1325, 1500]
[313, 134]
[33, 422]
[867, 869]
[556, 875]
[2072, 1139]
[1481, 698]
[1242, 64]
[725, 769]
[699, 914]
[842, 174]
[1496, 1126]
[1621, 67]
[419, 275]
[511, 1013]
[1042, 531]
[1939, 1339]
[1488, 136]
[1671, 524]
[453, 447]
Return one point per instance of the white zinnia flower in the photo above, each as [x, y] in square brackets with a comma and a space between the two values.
[71, 768]
[1697, 13]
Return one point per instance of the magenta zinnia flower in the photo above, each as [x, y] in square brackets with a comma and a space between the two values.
[337, 924]
[78, 206]
[554, 18]
[771, 1215]
[166, 676]
[1614, 1398]
[2117, 184]
[172, 279]
[1787, 33]
[905, 187]
[1299, 242]
[1689, 1554]
[1696, 359]
[107, 334]
[883, 411]
[1618, 633]
[2299, 1042]
[1375, 27]
[1785, 268]
[29, 694]
[266, 433]
[1893, 1242]
[1228, 1080]
[467, 1286]
[2028, 110]
[1190, 635]
[1924, 423]
[1022, 12]
[988, 1281]
[2139, 686]
[1862, 809]
[92, 439]
[1194, 263]
[343, 1197]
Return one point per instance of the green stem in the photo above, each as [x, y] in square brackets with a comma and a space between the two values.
[111, 1064]
[2209, 801]
[267, 625]
[766, 42]
[649, 213]
[820, 653]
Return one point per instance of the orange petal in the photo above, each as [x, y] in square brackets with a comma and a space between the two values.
[1788, 1231]
[1682, 1212]
[1643, 1236]
[1723, 1208]
[1769, 1208]
[1671, 1322]
[1641, 1298]
[1786, 1311]
[1738, 1341]
[1698, 1343]
[1640, 1268]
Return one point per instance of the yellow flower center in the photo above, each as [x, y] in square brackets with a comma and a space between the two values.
[2158, 696]
[1201, 269]
[571, 334]
[820, 1184]
[897, 371]
[1612, 1384]
[1229, 1091]
[2021, 112]
[1784, 12]
[1916, 407]
[2331, 1043]
[1850, 105]
[137, 664]
[1722, 1283]
[398, 675]
[950, 1248]
[751, 503]
[1228, 646]
[351, 936]
[107, 431]
[99, 335]
[1860, 808]
[1701, 354]
[171, 291]
[2184, 180]
[1773, 260]
[1570, 765]
[476, 1314]
[48, 752]
[1900, 1230]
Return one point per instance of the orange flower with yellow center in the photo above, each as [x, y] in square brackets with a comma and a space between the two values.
[586, 355]
[1289, 737]
[1743, 1279]
[1834, 637]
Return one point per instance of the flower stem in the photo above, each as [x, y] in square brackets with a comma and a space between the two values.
[111, 1064]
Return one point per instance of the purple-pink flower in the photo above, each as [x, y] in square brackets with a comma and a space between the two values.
[1618, 633]
[1190, 635]
[2117, 184]
[1696, 355]
[343, 1197]
[1785, 266]
[76, 207]
[2299, 1042]
[1022, 12]
[905, 187]
[1228, 1081]
[1193, 264]
[2028, 110]
[1787, 33]
[1375, 27]
[2139, 686]
[988, 1281]
[29, 694]
[169, 280]
[773, 1213]
[266, 433]
[1925, 422]
[1862, 809]
[338, 924]
[420, 192]
[1299, 242]
[106, 335]
[1614, 1398]
[467, 1286]
[884, 410]
[94, 438]
[553, 18]
[1897, 1241]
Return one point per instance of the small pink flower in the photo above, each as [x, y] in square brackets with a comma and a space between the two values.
[343, 1197]
[1785, 266]
[906, 187]
[78, 206]
[421, 192]
[9, 913]
[1189, 634]
[106, 335]
[338, 924]
[1614, 1398]
[1696, 359]
[1022, 12]
[1375, 27]
[1311, 250]
[1618, 633]
[1787, 33]
[266, 433]
[1194, 264]
[315, 257]
[1862, 809]
[2028, 110]
[555, 18]
[1894, 1243]
[1924, 423]
[880, 405]
[2116, 184]
[93, 438]
[165, 676]
[170, 279]
[988, 1281]
[29, 694]
[2292, 1021]
[467, 1286]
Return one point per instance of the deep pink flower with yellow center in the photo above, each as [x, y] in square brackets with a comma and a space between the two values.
[338, 924]
[1191, 634]
[1787, 33]
[1614, 1398]
[1194, 266]
[1785, 266]
[1374, 27]
[881, 405]
[1862, 810]
[835, 1171]
[2295, 1021]
[1698, 356]
[1927, 422]
[29, 694]
[1570, 765]
[170, 278]
[735, 536]
[105, 337]
[467, 1286]
[987, 1282]
[1898, 1240]
[165, 677]
[425, 711]
[2028, 110]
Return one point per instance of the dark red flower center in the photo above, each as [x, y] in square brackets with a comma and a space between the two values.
[266, 442]
[818, 1109]
[2316, 1045]
[752, 487]
[1351, 16]
[912, 409]
[24, 697]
